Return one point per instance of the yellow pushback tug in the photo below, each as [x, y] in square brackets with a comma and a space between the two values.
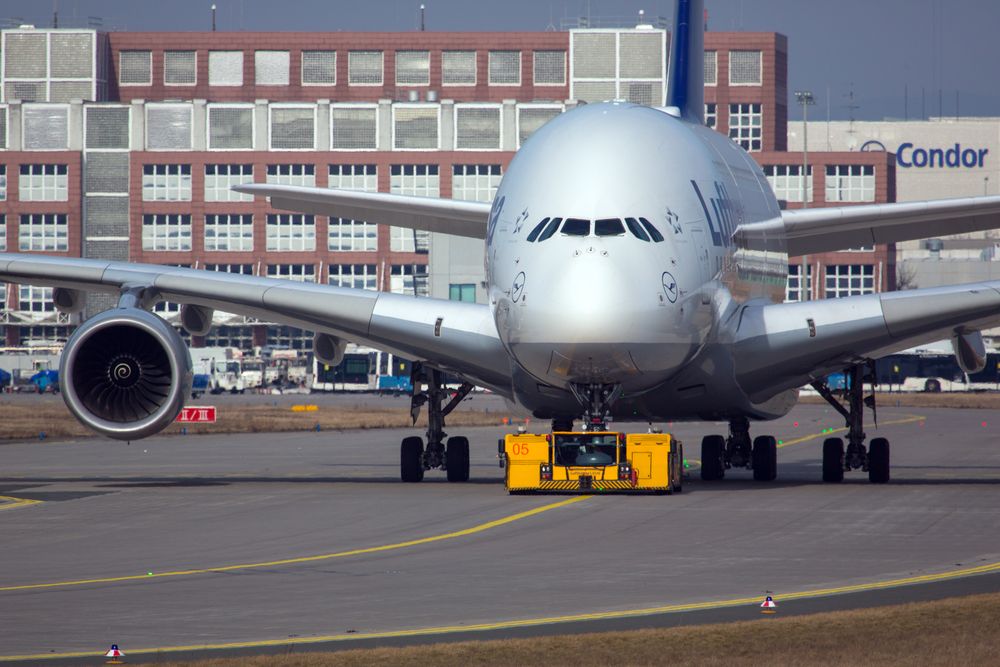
[592, 462]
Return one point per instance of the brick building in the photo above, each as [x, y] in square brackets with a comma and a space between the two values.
[124, 145]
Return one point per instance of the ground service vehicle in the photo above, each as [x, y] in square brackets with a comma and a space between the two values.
[592, 462]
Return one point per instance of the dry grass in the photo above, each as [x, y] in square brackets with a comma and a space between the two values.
[19, 421]
[957, 631]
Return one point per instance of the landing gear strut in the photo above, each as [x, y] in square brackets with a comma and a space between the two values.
[837, 461]
[596, 400]
[451, 455]
[738, 451]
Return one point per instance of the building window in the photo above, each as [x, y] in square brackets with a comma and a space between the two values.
[229, 233]
[745, 125]
[422, 180]
[230, 127]
[241, 269]
[409, 279]
[416, 127]
[166, 182]
[292, 174]
[170, 233]
[44, 182]
[135, 68]
[475, 182]
[3, 244]
[271, 68]
[404, 239]
[550, 68]
[849, 280]
[3, 182]
[240, 337]
[293, 128]
[531, 118]
[850, 182]
[292, 232]
[794, 288]
[361, 177]
[711, 115]
[225, 68]
[3, 296]
[354, 127]
[180, 68]
[744, 68]
[711, 68]
[786, 181]
[44, 127]
[413, 68]
[168, 127]
[319, 68]
[505, 68]
[352, 236]
[32, 299]
[220, 179]
[358, 276]
[458, 68]
[364, 68]
[462, 292]
[43, 231]
[477, 127]
[289, 338]
[300, 273]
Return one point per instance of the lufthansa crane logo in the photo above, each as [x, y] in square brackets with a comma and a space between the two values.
[517, 289]
[669, 286]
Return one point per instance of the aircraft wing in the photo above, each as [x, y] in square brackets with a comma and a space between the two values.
[448, 216]
[808, 231]
[450, 335]
[786, 345]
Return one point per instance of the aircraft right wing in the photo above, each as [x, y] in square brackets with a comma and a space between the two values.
[447, 216]
[809, 231]
[786, 345]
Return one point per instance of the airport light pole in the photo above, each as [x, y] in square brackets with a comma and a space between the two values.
[805, 98]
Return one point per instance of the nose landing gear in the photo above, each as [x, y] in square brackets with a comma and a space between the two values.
[452, 455]
[596, 400]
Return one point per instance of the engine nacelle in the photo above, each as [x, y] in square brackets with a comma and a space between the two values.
[329, 349]
[125, 373]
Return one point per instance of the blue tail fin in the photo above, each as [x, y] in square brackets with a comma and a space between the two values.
[686, 82]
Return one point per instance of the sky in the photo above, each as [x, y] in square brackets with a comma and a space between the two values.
[860, 58]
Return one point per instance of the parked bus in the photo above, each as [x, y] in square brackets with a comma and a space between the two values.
[364, 369]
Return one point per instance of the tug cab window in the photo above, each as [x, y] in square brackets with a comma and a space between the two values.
[609, 227]
[576, 227]
[584, 449]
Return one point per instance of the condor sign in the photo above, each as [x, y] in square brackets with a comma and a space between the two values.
[952, 157]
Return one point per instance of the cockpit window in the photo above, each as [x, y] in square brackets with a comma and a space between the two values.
[550, 230]
[537, 230]
[636, 229]
[609, 227]
[653, 231]
[576, 227]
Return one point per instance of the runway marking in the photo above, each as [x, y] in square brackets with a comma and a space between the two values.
[10, 502]
[489, 525]
[813, 436]
[548, 620]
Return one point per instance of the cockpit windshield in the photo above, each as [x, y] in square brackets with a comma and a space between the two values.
[608, 227]
[640, 228]
[576, 227]
[585, 449]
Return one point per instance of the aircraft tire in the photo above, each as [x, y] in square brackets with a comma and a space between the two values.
[411, 459]
[713, 448]
[678, 485]
[833, 460]
[765, 458]
[878, 461]
[456, 457]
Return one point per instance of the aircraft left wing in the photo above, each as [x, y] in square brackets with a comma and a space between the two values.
[809, 231]
[447, 216]
[786, 345]
[457, 337]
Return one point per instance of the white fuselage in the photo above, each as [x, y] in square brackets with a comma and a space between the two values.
[584, 304]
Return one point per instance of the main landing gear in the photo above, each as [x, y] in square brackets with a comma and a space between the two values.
[738, 451]
[837, 461]
[452, 455]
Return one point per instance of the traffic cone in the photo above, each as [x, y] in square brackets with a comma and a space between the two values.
[114, 654]
[768, 606]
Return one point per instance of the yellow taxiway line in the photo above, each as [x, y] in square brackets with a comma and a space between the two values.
[812, 436]
[489, 525]
[545, 620]
[9, 502]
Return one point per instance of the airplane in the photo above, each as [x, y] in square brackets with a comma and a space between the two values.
[636, 264]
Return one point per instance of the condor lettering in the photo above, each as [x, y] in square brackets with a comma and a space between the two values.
[954, 157]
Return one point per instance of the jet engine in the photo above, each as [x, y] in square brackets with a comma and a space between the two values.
[125, 373]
